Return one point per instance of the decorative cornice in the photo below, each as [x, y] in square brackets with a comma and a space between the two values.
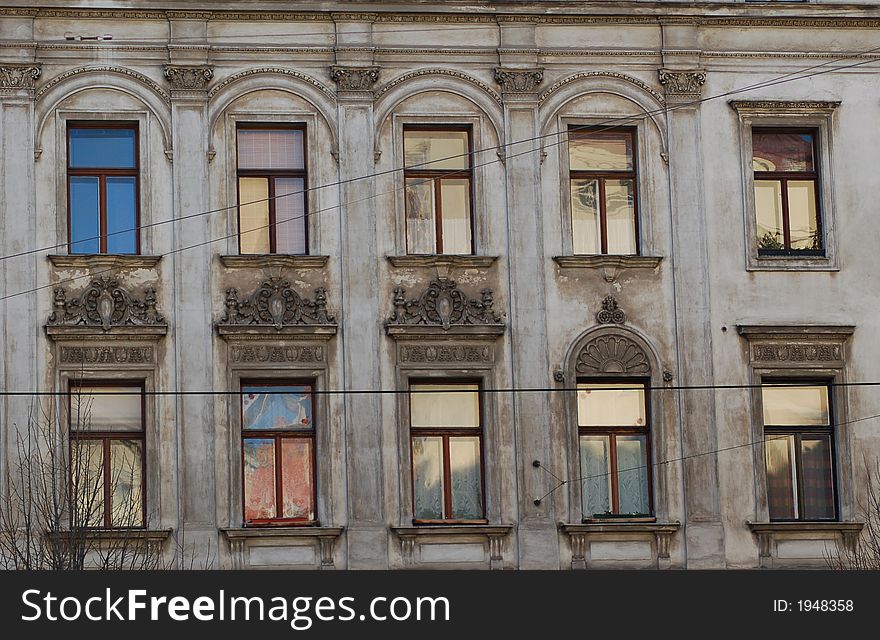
[797, 331]
[610, 313]
[273, 260]
[610, 265]
[440, 260]
[438, 71]
[784, 107]
[105, 304]
[276, 304]
[519, 80]
[602, 74]
[188, 77]
[19, 76]
[103, 261]
[612, 354]
[682, 85]
[354, 78]
[442, 304]
[105, 69]
[271, 70]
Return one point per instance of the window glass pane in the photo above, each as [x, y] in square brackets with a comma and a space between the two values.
[466, 478]
[790, 405]
[607, 151]
[84, 214]
[782, 151]
[106, 408]
[620, 215]
[121, 214]
[632, 475]
[102, 148]
[290, 218]
[585, 222]
[455, 207]
[427, 461]
[802, 220]
[595, 475]
[253, 215]
[270, 149]
[611, 405]
[431, 150]
[768, 214]
[296, 478]
[259, 478]
[817, 478]
[438, 405]
[126, 498]
[87, 480]
[276, 407]
[781, 479]
[421, 228]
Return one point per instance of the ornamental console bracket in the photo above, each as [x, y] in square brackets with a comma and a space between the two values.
[275, 307]
[442, 308]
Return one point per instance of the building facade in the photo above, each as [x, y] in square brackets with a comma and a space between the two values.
[536, 285]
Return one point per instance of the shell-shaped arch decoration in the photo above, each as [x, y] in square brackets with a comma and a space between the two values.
[614, 354]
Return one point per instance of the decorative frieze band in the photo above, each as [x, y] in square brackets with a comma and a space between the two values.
[19, 76]
[107, 354]
[354, 78]
[105, 304]
[276, 353]
[443, 353]
[519, 80]
[800, 352]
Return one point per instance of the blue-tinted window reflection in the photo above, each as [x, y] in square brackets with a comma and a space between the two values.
[121, 215]
[104, 148]
[84, 214]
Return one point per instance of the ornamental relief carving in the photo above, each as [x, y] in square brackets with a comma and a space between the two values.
[612, 354]
[518, 80]
[107, 355]
[687, 84]
[444, 304]
[428, 353]
[802, 352]
[105, 304]
[15, 76]
[610, 313]
[270, 353]
[188, 77]
[354, 78]
[276, 303]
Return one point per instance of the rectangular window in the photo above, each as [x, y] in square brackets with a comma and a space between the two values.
[106, 455]
[438, 190]
[446, 437]
[614, 441]
[102, 188]
[272, 213]
[602, 180]
[786, 192]
[278, 452]
[799, 451]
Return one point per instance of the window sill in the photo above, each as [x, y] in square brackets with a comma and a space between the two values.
[650, 542]
[453, 545]
[94, 261]
[635, 525]
[801, 544]
[260, 261]
[294, 547]
[443, 260]
[611, 265]
[286, 531]
[144, 535]
[791, 262]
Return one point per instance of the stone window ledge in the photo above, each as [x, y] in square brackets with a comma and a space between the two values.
[610, 265]
[259, 331]
[443, 260]
[144, 535]
[124, 332]
[261, 261]
[103, 261]
[771, 534]
[789, 263]
[416, 536]
[402, 331]
[804, 331]
[582, 533]
[242, 539]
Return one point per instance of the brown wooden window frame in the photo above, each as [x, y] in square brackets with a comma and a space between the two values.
[582, 131]
[783, 177]
[436, 176]
[270, 174]
[106, 437]
[446, 433]
[102, 174]
[277, 435]
[798, 432]
[612, 432]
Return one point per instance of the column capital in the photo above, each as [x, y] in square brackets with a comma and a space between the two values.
[18, 79]
[349, 78]
[682, 85]
[188, 81]
[517, 80]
